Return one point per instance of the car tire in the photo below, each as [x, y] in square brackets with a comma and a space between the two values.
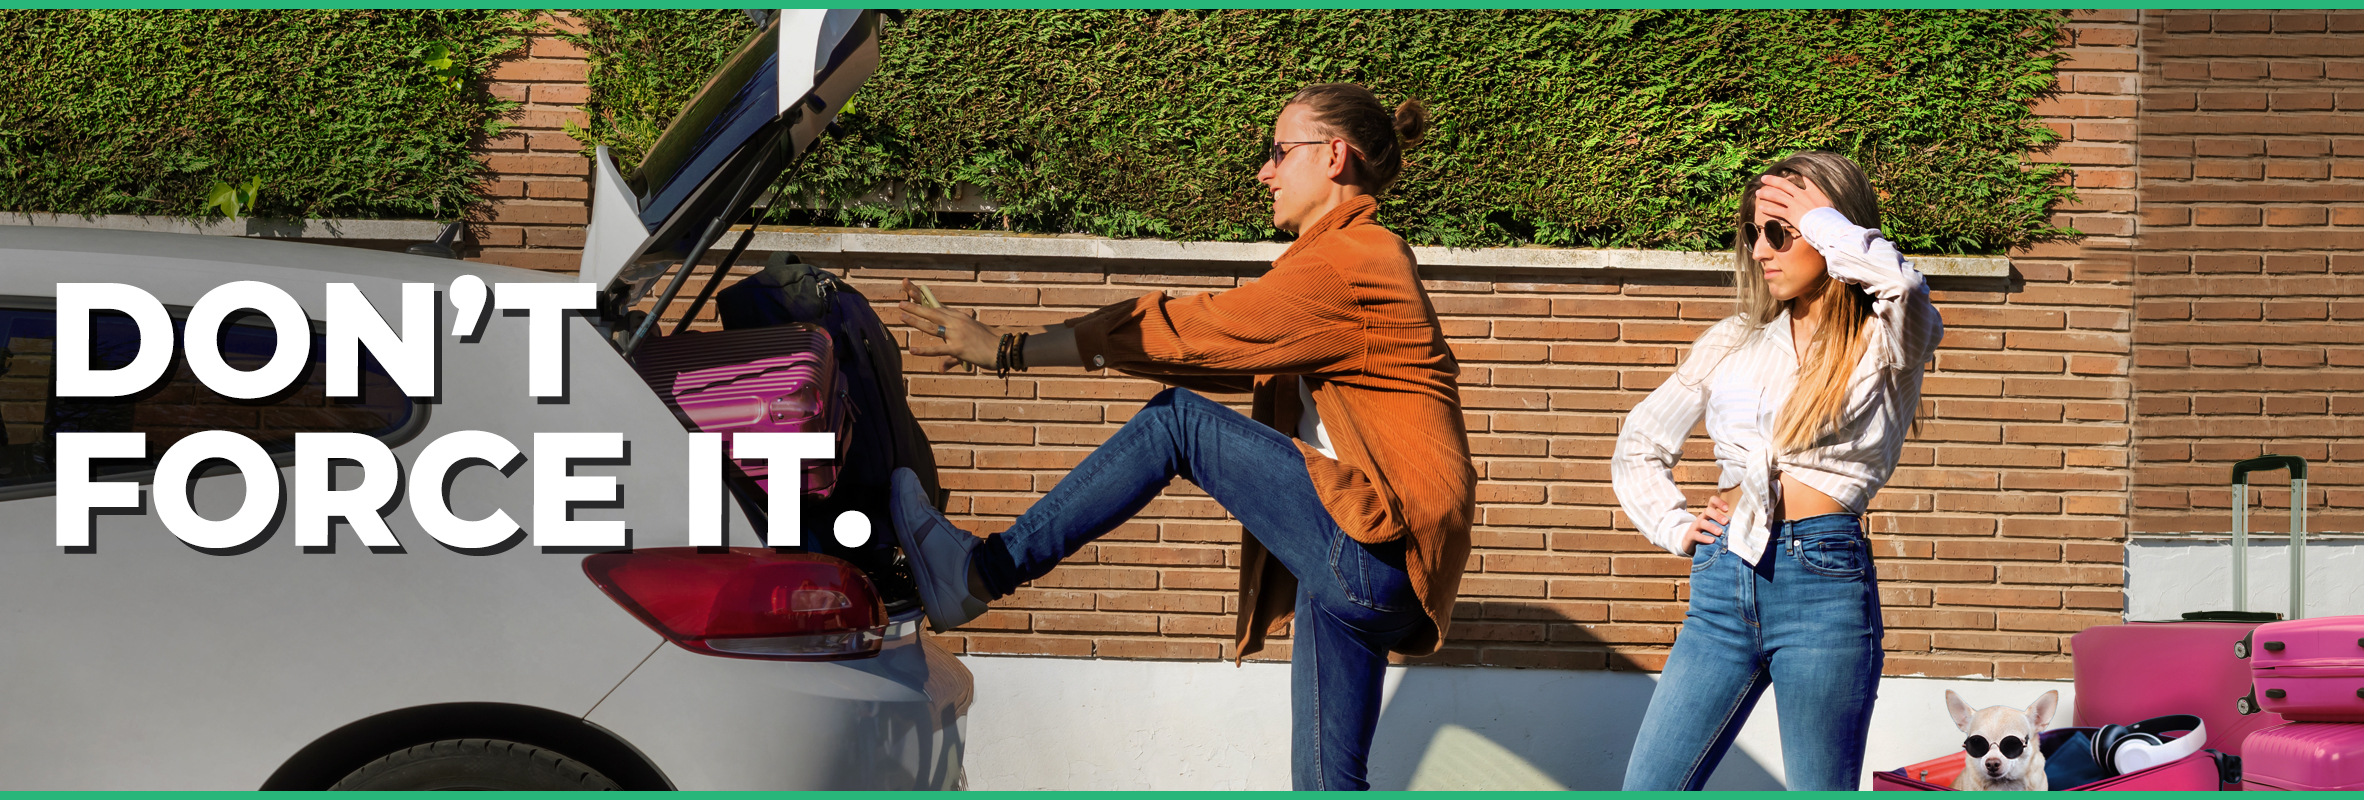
[489, 764]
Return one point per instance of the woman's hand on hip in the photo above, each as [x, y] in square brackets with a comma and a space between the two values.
[1788, 199]
[1708, 525]
[944, 332]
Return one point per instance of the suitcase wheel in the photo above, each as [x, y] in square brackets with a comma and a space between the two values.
[2241, 648]
[2247, 705]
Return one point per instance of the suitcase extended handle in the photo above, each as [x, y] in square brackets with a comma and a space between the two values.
[2242, 468]
[2298, 528]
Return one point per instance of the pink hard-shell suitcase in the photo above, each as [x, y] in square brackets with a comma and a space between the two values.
[2205, 771]
[2308, 670]
[2141, 670]
[2306, 756]
[777, 379]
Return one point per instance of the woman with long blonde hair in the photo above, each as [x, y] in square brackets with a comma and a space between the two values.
[1808, 392]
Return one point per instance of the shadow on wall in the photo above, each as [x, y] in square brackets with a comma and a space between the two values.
[1534, 729]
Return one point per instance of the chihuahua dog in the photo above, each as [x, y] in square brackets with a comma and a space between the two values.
[2001, 753]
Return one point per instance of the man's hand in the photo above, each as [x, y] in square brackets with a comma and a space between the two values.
[944, 332]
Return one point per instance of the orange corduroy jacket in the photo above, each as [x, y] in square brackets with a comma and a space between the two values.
[1343, 308]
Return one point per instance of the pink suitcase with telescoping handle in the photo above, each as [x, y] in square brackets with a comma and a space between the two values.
[2142, 670]
[781, 378]
[2310, 670]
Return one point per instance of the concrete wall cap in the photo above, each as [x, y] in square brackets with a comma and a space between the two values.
[1022, 245]
[262, 228]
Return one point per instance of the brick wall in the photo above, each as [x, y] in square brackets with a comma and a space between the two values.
[539, 185]
[2000, 536]
[24, 397]
[2252, 262]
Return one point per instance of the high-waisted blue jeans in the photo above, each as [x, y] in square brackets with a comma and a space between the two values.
[1805, 618]
[1354, 601]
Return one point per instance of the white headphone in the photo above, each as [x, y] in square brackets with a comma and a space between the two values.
[2124, 749]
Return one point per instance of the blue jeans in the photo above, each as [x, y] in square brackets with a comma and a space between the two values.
[1806, 617]
[1354, 601]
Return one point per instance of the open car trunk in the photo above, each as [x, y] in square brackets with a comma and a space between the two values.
[762, 110]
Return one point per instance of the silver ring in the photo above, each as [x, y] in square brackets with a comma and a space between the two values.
[939, 331]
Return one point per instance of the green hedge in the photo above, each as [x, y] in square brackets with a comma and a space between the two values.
[336, 113]
[644, 67]
[1580, 128]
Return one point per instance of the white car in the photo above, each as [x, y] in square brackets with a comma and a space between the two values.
[144, 662]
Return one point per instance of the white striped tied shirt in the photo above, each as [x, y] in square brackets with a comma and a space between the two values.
[1739, 375]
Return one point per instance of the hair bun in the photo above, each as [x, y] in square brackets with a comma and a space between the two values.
[1411, 123]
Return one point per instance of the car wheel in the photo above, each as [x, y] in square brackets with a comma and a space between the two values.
[490, 764]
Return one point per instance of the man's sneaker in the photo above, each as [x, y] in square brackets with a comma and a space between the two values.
[939, 555]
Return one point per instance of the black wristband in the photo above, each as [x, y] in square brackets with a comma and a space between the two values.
[1001, 357]
[1018, 353]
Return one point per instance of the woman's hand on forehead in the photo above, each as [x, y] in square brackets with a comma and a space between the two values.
[1788, 199]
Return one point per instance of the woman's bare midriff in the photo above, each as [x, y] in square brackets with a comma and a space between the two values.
[1798, 501]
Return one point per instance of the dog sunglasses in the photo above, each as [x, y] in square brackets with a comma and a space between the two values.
[1775, 233]
[2011, 746]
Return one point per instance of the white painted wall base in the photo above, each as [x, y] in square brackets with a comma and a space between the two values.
[1044, 723]
[2166, 576]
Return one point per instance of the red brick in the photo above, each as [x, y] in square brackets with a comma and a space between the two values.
[538, 165]
[569, 237]
[1159, 649]
[553, 47]
[1490, 306]
[1561, 330]
[1938, 666]
[528, 70]
[1029, 645]
[547, 261]
[1998, 596]
[1611, 589]
[1996, 642]
[2053, 670]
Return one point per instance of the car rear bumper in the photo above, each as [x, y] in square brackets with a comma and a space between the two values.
[892, 721]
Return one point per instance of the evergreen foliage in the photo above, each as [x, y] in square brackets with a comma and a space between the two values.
[325, 113]
[1571, 128]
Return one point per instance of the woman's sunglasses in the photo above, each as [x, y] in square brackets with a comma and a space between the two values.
[1775, 233]
[2011, 746]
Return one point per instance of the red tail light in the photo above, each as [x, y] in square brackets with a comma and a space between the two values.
[747, 602]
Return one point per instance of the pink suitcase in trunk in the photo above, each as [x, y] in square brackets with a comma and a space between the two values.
[2204, 771]
[2309, 670]
[2306, 756]
[2141, 670]
[778, 379]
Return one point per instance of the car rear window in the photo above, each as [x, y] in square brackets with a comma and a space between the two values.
[31, 413]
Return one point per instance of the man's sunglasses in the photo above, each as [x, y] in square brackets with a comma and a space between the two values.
[2011, 746]
[1775, 233]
